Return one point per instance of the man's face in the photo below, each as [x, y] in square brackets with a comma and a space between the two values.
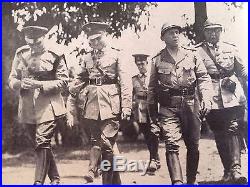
[171, 37]
[97, 43]
[212, 35]
[34, 43]
[142, 66]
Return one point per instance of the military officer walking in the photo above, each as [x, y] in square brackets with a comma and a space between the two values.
[106, 96]
[225, 68]
[140, 112]
[39, 75]
[175, 75]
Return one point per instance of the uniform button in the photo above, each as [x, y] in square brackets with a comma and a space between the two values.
[177, 67]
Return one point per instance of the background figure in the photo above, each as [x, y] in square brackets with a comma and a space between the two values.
[175, 74]
[224, 67]
[39, 75]
[140, 112]
[106, 97]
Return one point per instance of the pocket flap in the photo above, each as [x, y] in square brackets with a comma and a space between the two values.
[113, 91]
[164, 70]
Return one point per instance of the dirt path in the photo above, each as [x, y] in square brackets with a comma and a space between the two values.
[72, 164]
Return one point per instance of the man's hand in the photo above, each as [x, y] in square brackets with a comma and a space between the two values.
[155, 129]
[126, 113]
[28, 83]
[75, 87]
[205, 109]
[70, 120]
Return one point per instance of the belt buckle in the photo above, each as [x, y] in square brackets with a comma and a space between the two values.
[184, 92]
[98, 81]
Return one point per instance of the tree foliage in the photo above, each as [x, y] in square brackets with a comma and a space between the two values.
[194, 30]
[71, 16]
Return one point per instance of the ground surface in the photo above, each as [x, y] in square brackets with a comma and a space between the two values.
[73, 164]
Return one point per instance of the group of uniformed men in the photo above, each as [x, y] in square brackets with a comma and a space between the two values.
[184, 84]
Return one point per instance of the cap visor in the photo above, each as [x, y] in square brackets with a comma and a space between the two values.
[34, 31]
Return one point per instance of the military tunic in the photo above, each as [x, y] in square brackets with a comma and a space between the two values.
[223, 61]
[101, 102]
[40, 106]
[178, 112]
[140, 112]
[227, 56]
[104, 101]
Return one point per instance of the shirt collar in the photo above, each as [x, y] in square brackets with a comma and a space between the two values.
[142, 75]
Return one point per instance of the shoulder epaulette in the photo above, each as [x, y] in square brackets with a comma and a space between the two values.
[53, 53]
[198, 45]
[157, 54]
[189, 48]
[135, 76]
[22, 49]
[229, 43]
[115, 49]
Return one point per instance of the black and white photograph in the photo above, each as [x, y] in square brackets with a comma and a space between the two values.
[136, 93]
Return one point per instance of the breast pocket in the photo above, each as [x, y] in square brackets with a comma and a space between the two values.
[46, 65]
[226, 60]
[164, 74]
[188, 75]
[115, 101]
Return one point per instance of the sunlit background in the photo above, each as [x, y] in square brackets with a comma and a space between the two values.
[234, 21]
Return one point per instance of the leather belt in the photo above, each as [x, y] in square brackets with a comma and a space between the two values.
[215, 76]
[181, 91]
[142, 97]
[222, 75]
[101, 81]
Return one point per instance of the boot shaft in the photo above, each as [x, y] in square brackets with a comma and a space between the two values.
[174, 167]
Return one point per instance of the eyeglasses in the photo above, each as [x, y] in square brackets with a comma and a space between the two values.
[213, 30]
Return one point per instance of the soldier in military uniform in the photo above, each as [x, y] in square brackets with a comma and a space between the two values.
[39, 75]
[105, 98]
[224, 66]
[140, 112]
[175, 75]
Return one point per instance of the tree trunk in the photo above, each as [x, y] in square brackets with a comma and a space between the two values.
[200, 17]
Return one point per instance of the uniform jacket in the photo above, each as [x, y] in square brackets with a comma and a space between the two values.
[104, 100]
[227, 56]
[140, 112]
[41, 104]
[186, 71]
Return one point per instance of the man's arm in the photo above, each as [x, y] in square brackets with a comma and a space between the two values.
[204, 82]
[241, 72]
[126, 87]
[15, 74]
[152, 93]
[62, 78]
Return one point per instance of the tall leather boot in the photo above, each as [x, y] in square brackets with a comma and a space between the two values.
[221, 140]
[174, 168]
[153, 144]
[116, 178]
[53, 171]
[234, 149]
[42, 164]
[192, 166]
[95, 154]
[107, 176]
